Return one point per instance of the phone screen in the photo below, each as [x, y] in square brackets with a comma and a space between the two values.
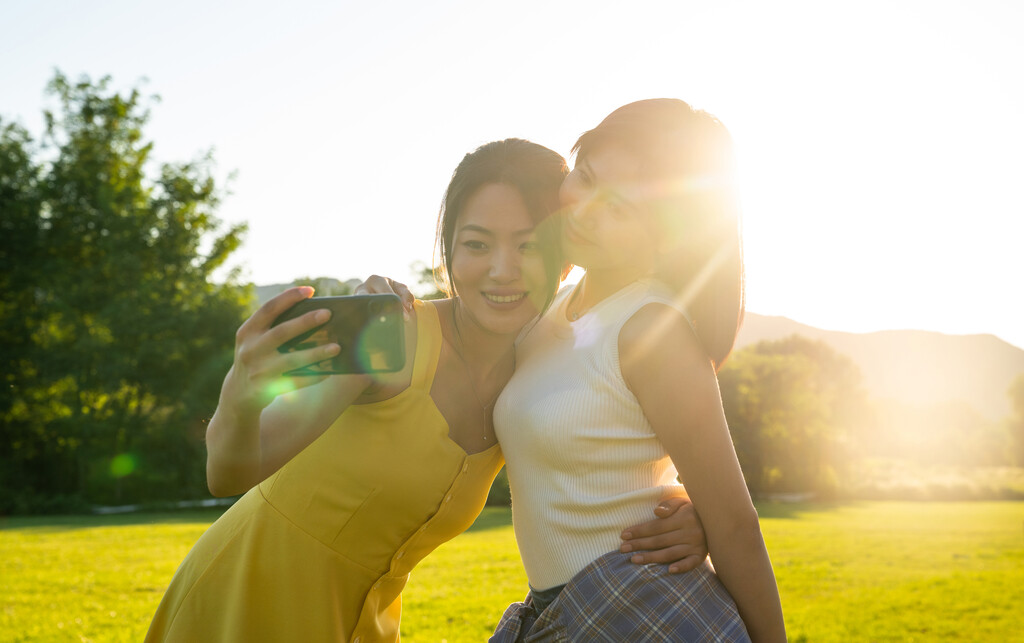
[370, 330]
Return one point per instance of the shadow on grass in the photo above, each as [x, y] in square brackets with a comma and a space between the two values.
[490, 518]
[89, 521]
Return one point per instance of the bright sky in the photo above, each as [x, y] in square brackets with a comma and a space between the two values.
[881, 142]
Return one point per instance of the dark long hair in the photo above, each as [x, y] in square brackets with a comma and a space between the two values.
[532, 170]
[687, 164]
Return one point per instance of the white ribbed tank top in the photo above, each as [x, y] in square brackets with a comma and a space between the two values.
[583, 462]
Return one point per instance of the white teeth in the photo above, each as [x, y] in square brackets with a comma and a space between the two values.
[504, 299]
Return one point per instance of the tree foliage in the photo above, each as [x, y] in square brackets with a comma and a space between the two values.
[114, 335]
[429, 287]
[792, 405]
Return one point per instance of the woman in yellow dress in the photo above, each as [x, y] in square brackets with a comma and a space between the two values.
[350, 480]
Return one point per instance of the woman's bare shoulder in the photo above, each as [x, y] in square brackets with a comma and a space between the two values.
[657, 334]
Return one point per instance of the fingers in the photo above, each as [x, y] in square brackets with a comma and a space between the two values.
[290, 361]
[278, 335]
[669, 555]
[690, 538]
[683, 517]
[687, 564]
[259, 368]
[671, 505]
[675, 537]
[377, 285]
[404, 294]
[259, 381]
[272, 309]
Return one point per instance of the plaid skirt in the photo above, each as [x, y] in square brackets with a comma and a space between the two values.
[615, 600]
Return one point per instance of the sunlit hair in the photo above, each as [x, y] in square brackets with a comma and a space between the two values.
[688, 187]
[532, 170]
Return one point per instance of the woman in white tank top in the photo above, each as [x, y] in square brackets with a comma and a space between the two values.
[615, 392]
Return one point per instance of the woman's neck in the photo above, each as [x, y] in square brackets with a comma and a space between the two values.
[598, 285]
[484, 351]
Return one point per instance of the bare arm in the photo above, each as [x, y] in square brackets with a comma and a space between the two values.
[675, 383]
[264, 418]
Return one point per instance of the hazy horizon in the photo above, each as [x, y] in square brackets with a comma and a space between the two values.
[421, 290]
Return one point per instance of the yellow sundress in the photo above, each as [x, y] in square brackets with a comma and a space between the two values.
[321, 550]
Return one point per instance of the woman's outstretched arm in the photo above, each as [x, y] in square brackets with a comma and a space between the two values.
[675, 383]
[263, 417]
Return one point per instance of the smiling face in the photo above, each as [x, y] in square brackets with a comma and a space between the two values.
[497, 268]
[605, 225]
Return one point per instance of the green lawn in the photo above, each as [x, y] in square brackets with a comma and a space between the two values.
[883, 571]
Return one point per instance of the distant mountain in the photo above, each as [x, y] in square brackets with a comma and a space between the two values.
[914, 367]
[324, 286]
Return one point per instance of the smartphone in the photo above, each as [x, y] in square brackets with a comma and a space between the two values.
[370, 329]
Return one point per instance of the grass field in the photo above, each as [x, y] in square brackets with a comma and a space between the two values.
[882, 571]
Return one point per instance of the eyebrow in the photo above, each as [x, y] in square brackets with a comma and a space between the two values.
[472, 227]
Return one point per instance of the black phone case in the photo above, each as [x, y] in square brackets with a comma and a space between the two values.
[370, 330]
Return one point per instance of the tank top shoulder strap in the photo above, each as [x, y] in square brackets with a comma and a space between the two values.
[660, 293]
[428, 345]
[649, 291]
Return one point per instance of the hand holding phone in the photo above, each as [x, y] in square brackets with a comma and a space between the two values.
[369, 329]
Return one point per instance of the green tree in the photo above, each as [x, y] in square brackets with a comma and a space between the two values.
[20, 250]
[429, 287]
[792, 405]
[115, 336]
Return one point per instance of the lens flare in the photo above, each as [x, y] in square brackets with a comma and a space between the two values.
[373, 350]
[123, 464]
[281, 386]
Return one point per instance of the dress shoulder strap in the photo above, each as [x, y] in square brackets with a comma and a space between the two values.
[428, 345]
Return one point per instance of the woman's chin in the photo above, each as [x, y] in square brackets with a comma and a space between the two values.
[503, 317]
